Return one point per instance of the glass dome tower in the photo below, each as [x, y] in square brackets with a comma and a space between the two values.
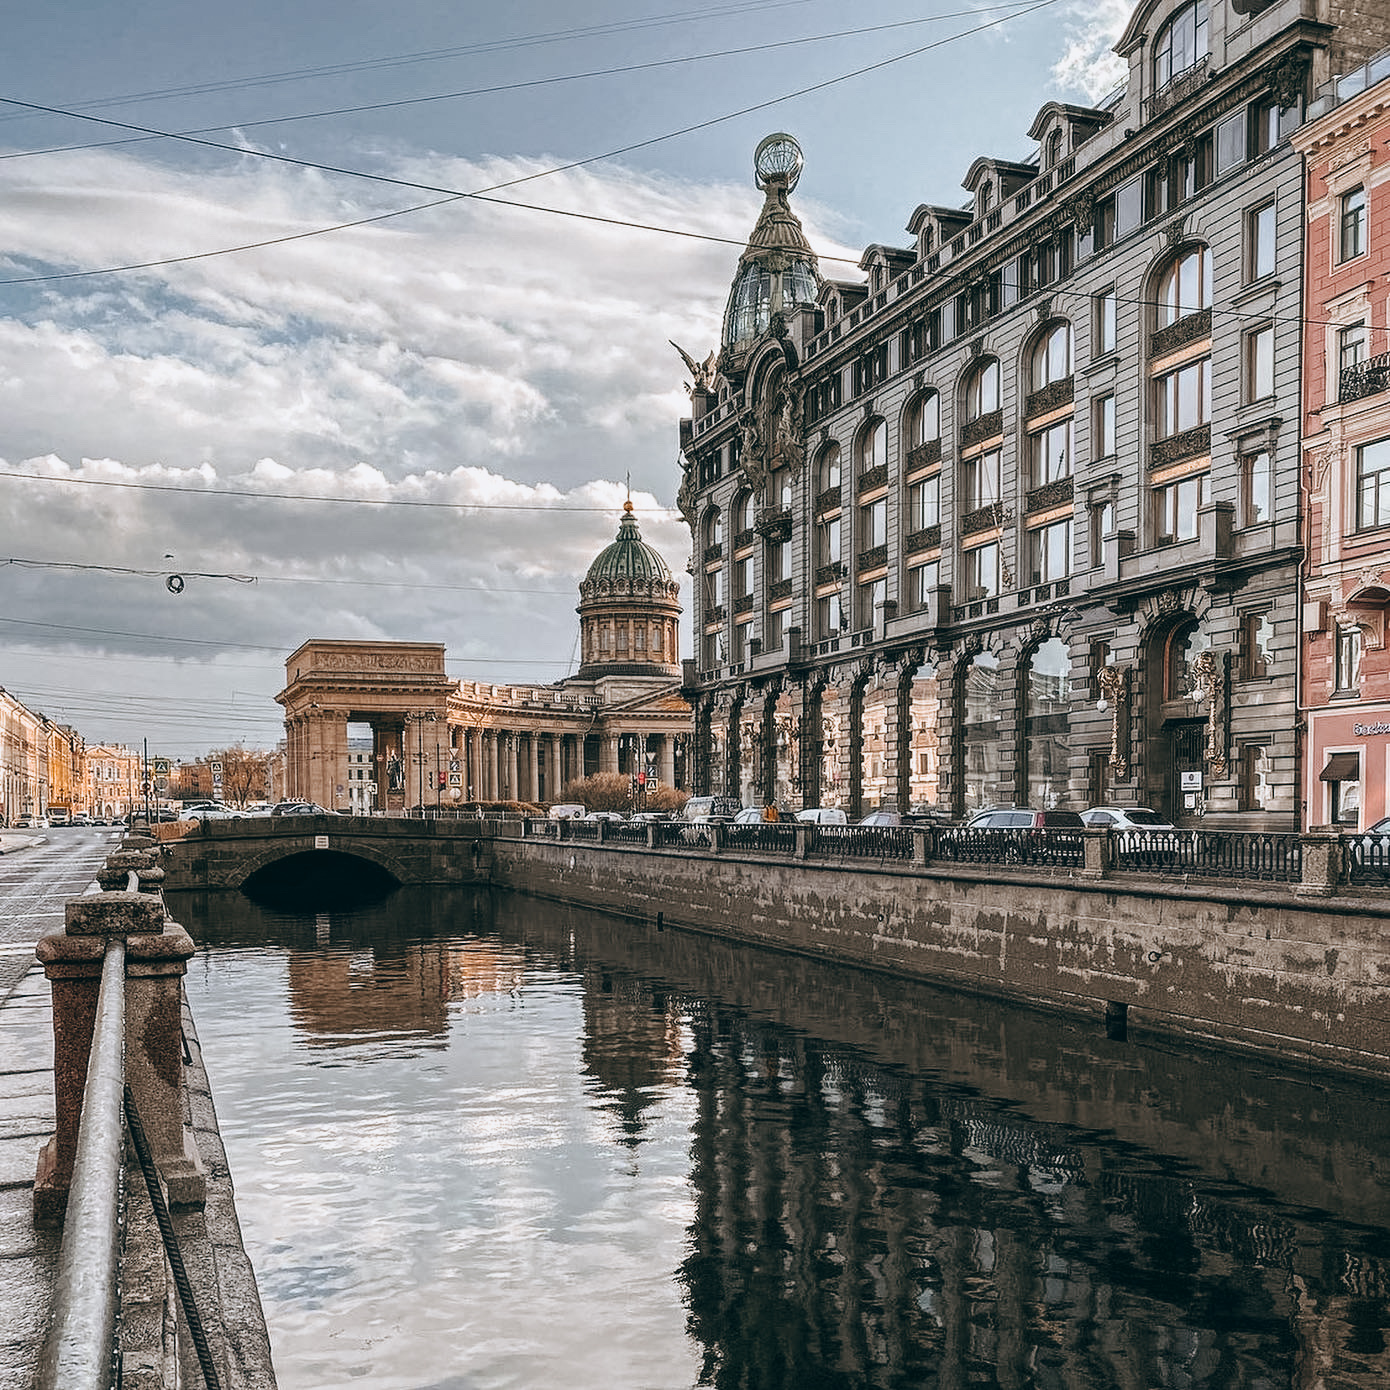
[777, 271]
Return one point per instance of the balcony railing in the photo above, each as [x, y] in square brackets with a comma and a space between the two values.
[1365, 379]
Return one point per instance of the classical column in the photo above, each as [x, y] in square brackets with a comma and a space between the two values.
[668, 760]
[608, 753]
[533, 766]
[555, 783]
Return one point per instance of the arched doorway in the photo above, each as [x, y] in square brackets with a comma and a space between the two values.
[1174, 765]
[1047, 707]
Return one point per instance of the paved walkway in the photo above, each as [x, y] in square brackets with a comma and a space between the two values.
[35, 887]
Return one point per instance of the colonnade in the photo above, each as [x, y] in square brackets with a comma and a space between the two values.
[434, 761]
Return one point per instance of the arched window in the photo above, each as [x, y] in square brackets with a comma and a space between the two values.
[1054, 149]
[828, 468]
[1185, 644]
[1185, 287]
[1047, 702]
[924, 420]
[873, 446]
[714, 528]
[1051, 358]
[741, 513]
[986, 197]
[981, 715]
[1181, 43]
[982, 389]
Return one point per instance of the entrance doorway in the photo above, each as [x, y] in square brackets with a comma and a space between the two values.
[1186, 741]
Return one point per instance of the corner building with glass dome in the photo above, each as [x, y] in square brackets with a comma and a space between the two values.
[1015, 520]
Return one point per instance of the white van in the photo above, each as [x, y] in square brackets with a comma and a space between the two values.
[567, 810]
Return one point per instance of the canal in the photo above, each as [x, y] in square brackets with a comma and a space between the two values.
[484, 1141]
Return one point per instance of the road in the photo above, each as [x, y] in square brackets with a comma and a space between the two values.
[39, 871]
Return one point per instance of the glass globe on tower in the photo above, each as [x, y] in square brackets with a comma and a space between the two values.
[777, 271]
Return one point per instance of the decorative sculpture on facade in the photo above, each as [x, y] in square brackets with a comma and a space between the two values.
[703, 373]
[1209, 673]
[1114, 693]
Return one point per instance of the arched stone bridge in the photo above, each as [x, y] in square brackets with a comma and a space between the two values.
[238, 853]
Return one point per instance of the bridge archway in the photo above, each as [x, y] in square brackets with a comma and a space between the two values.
[321, 878]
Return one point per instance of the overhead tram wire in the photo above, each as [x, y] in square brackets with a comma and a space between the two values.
[427, 55]
[500, 88]
[479, 195]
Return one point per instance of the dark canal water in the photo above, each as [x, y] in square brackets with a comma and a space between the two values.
[482, 1141]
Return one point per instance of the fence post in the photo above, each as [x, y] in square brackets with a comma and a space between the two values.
[921, 846]
[1322, 862]
[1098, 853]
[157, 952]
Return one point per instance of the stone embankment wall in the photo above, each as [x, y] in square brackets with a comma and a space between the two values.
[1243, 966]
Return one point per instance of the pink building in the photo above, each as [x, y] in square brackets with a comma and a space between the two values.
[1345, 679]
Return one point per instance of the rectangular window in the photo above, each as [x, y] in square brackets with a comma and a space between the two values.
[1256, 488]
[1348, 661]
[921, 580]
[1102, 525]
[710, 650]
[1256, 778]
[776, 561]
[829, 619]
[1049, 454]
[924, 503]
[776, 628]
[873, 524]
[1264, 127]
[1373, 485]
[1259, 242]
[981, 480]
[1103, 427]
[1105, 322]
[828, 540]
[738, 648]
[1352, 224]
[1105, 223]
[1256, 640]
[1049, 552]
[1351, 347]
[1230, 143]
[1183, 398]
[743, 578]
[870, 597]
[1259, 363]
[1176, 505]
[714, 588]
[982, 572]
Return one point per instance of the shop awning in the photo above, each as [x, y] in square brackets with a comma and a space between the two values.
[1341, 767]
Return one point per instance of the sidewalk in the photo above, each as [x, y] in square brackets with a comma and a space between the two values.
[28, 1257]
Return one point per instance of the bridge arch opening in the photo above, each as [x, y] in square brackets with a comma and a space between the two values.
[320, 879]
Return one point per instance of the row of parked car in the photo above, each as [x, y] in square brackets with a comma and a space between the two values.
[218, 810]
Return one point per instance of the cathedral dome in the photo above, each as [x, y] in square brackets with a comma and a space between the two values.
[629, 558]
[629, 606]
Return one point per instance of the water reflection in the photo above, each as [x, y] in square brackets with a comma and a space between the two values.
[559, 1148]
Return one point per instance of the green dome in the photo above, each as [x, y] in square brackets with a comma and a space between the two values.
[628, 560]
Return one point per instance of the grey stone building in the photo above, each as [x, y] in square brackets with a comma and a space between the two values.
[1016, 519]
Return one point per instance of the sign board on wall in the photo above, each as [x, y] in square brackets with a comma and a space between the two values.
[1191, 781]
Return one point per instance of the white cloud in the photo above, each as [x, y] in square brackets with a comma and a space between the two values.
[1088, 64]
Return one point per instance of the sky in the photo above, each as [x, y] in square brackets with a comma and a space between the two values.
[283, 360]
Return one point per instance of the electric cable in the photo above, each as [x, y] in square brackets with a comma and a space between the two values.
[455, 195]
[496, 89]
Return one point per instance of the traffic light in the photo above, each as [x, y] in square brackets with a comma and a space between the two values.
[443, 780]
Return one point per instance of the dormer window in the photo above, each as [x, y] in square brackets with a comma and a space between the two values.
[1053, 154]
[1182, 43]
[986, 197]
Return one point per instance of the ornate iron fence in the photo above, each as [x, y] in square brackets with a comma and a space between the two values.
[1264, 855]
[767, 837]
[864, 841]
[1063, 848]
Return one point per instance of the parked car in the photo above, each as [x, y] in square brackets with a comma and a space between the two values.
[823, 815]
[1125, 818]
[717, 808]
[605, 815]
[204, 810]
[750, 815]
[567, 810]
[80, 819]
[882, 817]
[1022, 818]
[300, 808]
[927, 813]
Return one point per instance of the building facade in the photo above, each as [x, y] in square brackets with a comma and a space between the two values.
[1346, 450]
[378, 727]
[1015, 520]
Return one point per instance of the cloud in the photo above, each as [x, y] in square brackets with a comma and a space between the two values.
[1088, 63]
